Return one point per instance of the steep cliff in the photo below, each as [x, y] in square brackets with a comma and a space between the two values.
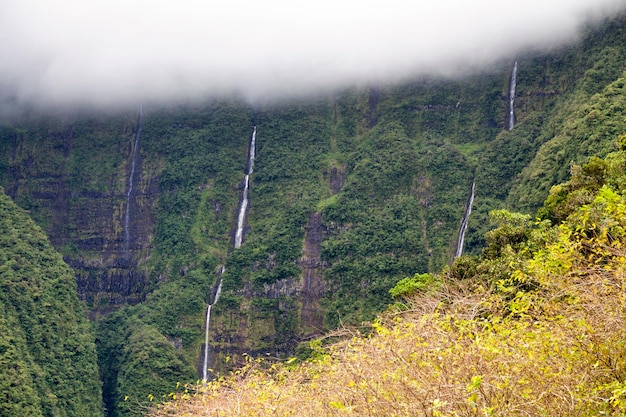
[350, 193]
[72, 173]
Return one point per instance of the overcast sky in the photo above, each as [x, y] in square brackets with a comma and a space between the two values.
[104, 51]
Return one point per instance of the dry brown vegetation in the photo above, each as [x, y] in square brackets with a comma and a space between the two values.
[544, 338]
[452, 361]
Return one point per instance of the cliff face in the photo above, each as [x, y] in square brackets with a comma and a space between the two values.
[72, 174]
[312, 282]
[349, 194]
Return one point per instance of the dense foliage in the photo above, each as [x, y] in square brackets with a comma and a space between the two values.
[135, 361]
[47, 353]
[383, 172]
[534, 326]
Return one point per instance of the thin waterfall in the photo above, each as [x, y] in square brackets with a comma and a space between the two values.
[205, 368]
[463, 228]
[205, 364]
[238, 240]
[242, 213]
[131, 180]
[512, 92]
[219, 287]
[252, 152]
[246, 191]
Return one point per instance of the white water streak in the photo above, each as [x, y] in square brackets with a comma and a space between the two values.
[205, 369]
[252, 152]
[131, 180]
[242, 214]
[219, 288]
[205, 364]
[512, 93]
[463, 228]
[246, 191]
[238, 240]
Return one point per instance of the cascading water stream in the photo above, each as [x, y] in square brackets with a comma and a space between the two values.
[131, 180]
[512, 92]
[205, 368]
[252, 151]
[242, 213]
[238, 240]
[219, 286]
[246, 191]
[463, 228]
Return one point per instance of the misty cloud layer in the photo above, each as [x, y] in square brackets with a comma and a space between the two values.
[110, 51]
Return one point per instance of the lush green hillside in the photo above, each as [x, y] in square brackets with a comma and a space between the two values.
[534, 326]
[47, 352]
[350, 193]
[589, 129]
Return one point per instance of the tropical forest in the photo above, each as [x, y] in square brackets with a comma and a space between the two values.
[443, 246]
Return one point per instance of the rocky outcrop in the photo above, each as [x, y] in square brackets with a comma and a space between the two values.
[337, 178]
[312, 284]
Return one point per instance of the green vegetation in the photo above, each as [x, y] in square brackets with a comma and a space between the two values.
[590, 129]
[533, 326]
[202, 154]
[47, 353]
[135, 362]
[386, 171]
[411, 286]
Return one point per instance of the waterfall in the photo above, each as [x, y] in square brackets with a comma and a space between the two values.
[252, 152]
[463, 228]
[512, 88]
[131, 180]
[219, 289]
[205, 368]
[246, 191]
[242, 213]
[238, 240]
[205, 363]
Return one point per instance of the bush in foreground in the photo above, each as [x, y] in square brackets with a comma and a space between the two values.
[536, 329]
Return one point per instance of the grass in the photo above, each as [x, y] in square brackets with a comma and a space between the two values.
[470, 151]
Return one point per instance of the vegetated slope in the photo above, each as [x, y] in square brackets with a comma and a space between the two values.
[47, 352]
[350, 193]
[534, 326]
[197, 154]
[585, 120]
[589, 129]
[555, 92]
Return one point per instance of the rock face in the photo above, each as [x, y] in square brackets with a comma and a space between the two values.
[312, 284]
[72, 175]
[337, 178]
[111, 274]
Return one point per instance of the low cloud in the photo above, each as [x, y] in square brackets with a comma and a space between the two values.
[123, 51]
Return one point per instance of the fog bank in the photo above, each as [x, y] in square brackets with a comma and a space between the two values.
[112, 52]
